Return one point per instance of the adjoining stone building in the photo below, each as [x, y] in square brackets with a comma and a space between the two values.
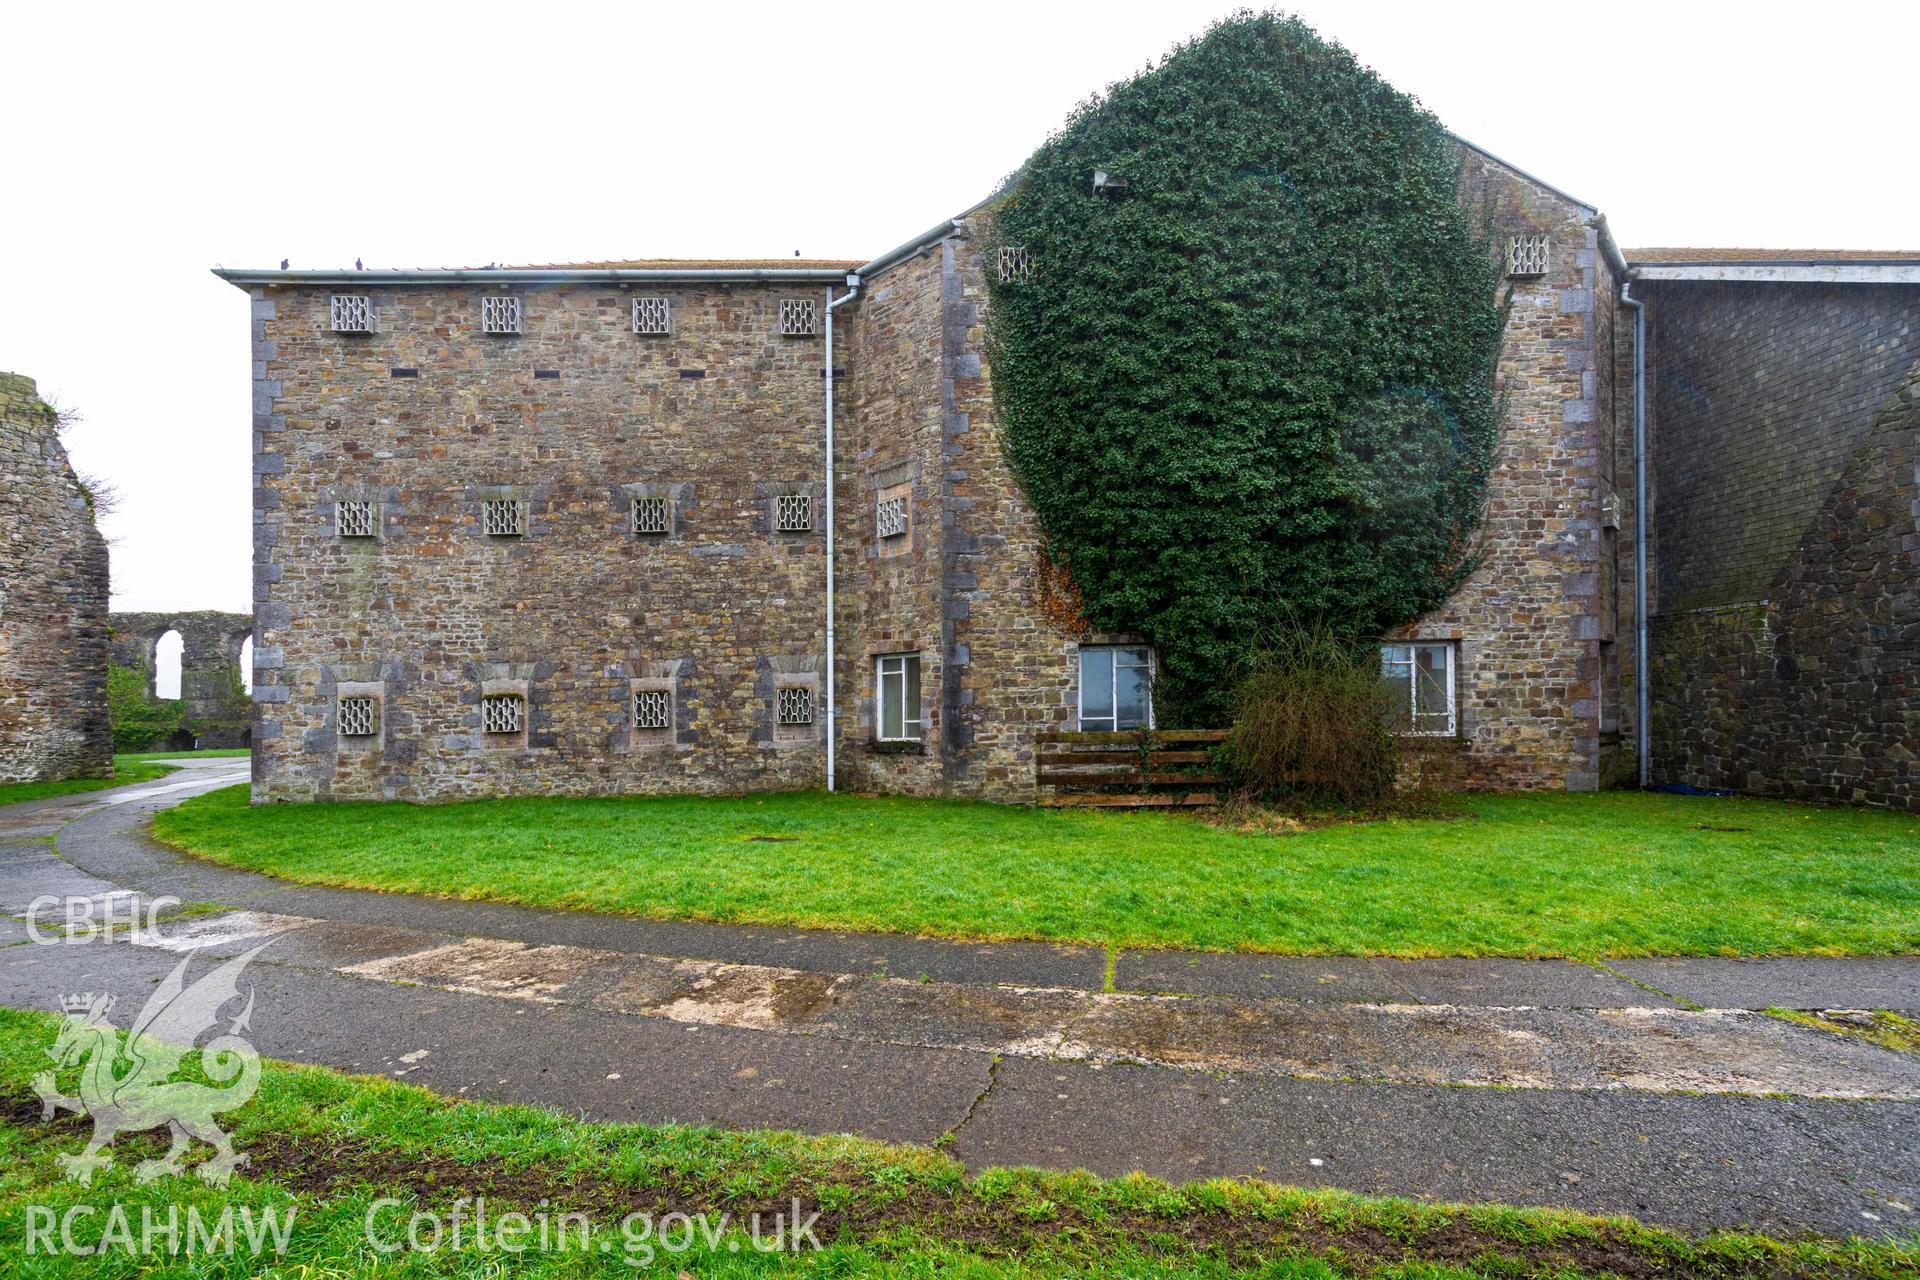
[215, 711]
[566, 530]
[53, 603]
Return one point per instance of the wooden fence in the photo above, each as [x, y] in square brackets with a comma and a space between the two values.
[1164, 768]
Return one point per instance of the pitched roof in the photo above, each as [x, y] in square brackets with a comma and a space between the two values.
[1641, 256]
[698, 264]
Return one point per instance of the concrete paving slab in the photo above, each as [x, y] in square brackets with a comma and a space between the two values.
[1790, 982]
[1257, 977]
[577, 1061]
[1539, 983]
[1694, 1163]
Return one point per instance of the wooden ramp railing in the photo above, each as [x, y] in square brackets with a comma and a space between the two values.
[1165, 768]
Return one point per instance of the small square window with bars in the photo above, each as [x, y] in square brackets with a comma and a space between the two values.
[503, 518]
[652, 516]
[799, 317]
[502, 712]
[359, 717]
[353, 518]
[499, 315]
[352, 313]
[793, 513]
[1015, 263]
[795, 705]
[652, 710]
[652, 315]
[891, 517]
[1527, 256]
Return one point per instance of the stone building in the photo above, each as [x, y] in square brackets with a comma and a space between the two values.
[1785, 521]
[215, 709]
[568, 530]
[53, 603]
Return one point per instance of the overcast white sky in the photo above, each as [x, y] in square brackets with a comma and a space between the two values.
[146, 143]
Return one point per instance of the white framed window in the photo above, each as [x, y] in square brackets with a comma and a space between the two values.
[896, 683]
[1417, 686]
[1527, 255]
[793, 513]
[799, 317]
[794, 704]
[1115, 688]
[359, 717]
[352, 313]
[652, 710]
[652, 315]
[353, 518]
[652, 516]
[890, 517]
[503, 518]
[502, 713]
[499, 314]
[1015, 263]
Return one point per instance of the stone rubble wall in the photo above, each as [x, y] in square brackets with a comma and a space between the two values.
[53, 603]
[215, 698]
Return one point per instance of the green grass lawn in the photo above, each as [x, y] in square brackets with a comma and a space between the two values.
[330, 1146]
[209, 754]
[1583, 876]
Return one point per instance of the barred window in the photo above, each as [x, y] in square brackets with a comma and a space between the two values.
[353, 518]
[652, 315]
[799, 317]
[796, 705]
[891, 517]
[1527, 256]
[499, 314]
[652, 515]
[793, 513]
[652, 709]
[502, 518]
[352, 313]
[359, 717]
[501, 712]
[1015, 263]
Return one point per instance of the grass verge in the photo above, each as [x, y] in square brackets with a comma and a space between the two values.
[211, 754]
[1883, 1027]
[330, 1147]
[1578, 876]
[124, 774]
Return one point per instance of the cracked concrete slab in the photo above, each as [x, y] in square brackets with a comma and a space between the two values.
[1540, 983]
[1257, 977]
[1789, 982]
[1657, 1050]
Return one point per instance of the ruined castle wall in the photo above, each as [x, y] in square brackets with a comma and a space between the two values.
[215, 705]
[53, 604]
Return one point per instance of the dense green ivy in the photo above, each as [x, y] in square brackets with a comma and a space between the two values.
[1255, 386]
[142, 722]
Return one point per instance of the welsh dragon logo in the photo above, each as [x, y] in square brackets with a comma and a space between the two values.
[126, 1085]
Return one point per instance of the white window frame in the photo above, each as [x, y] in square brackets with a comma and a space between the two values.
[356, 518]
[351, 721]
[489, 507]
[491, 700]
[1112, 722]
[645, 525]
[652, 316]
[789, 701]
[894, 666]
[793, 513]
[500, 314]
[1451, 650]
[1529, 255]
[351, 312]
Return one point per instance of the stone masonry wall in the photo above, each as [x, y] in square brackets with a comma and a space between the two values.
[53, 604]
[1786, 631]
[1529, 622]
[217, 708]
[428, 419]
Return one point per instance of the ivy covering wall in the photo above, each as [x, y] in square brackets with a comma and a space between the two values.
[1252, 383]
